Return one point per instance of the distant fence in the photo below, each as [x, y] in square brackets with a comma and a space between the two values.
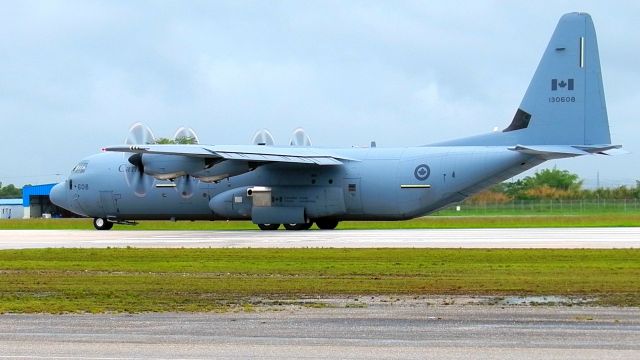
[545, 207]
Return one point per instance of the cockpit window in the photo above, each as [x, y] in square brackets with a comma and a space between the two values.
[80, 168]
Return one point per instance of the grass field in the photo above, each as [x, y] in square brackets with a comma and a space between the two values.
[429, 222]
[136, 280]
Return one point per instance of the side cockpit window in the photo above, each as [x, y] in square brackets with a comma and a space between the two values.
[80, 168]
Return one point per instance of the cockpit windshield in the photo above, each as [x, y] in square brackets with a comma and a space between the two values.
[80, 168]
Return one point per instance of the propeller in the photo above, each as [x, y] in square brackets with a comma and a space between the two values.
[262, 137]
[185, 135]
[185, 184]
[299, 138]
[139, 134]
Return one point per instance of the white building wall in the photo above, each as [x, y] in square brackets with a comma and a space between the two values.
[11, 211]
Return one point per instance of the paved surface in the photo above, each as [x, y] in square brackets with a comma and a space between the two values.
[384, 332]
[437, 238]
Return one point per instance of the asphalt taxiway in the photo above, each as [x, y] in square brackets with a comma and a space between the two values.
[419, 238]
[416, 329]
[389, 331]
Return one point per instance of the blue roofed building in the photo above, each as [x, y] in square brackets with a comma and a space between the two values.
[36, 202]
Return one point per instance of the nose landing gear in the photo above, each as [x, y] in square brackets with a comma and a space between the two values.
[102, 224]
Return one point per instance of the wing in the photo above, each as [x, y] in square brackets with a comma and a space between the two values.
[245, 153]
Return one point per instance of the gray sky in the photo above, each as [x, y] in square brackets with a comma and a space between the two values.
[74, 75]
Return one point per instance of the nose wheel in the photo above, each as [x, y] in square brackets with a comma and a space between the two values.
[102, 224]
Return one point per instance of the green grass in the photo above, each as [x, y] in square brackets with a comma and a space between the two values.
[137, 280]
[429, 222]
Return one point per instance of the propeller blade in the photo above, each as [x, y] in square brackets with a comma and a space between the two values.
[263, 137]
[185, 185]
[299, 138]
[139, 134]
[185, 135]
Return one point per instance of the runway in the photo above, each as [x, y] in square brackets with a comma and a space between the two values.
[596, 238]
[390, 331]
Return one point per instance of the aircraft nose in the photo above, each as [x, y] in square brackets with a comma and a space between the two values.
[58, 195]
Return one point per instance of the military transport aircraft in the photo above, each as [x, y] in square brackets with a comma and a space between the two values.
[563, 114]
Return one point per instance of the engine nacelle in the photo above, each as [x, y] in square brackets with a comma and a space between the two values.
[166, 167]
[223, 170]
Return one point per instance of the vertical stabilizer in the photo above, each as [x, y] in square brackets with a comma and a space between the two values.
[564, 103]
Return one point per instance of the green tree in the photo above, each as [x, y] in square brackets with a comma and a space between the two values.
[531, 187]
[10, 192]
[178, 140]
[557, 179]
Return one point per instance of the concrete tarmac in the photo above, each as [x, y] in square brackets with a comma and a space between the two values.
[388, 331]
[420, 238]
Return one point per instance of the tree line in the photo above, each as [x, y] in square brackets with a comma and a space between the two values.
[10, 192]
[552, 184]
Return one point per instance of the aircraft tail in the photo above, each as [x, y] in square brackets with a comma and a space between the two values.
[564, 103]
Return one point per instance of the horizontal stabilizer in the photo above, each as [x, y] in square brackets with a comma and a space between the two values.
[603, 149]
[549, 152]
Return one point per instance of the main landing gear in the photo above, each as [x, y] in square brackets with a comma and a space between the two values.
[302, 226]
[268, 227]
[324, 224]
[102, 224]
[327, 223]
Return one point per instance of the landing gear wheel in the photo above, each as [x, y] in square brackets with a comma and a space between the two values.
[268, 226]
[327, 224]
[302, 226]
[102, 224]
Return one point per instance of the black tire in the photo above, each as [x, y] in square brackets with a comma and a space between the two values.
[327, 224]
[302, 226]
[268, 227]
[102, 224]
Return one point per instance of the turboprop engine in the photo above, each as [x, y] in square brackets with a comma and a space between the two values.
[167, 167]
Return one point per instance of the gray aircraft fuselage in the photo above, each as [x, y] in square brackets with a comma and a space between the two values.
[382, 184]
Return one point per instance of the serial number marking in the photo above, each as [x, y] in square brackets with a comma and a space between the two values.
[83, 186]
[562, 99]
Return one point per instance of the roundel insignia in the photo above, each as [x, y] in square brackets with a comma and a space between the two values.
[422, 172]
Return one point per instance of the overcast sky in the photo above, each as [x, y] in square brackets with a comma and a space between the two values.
[74, 75]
